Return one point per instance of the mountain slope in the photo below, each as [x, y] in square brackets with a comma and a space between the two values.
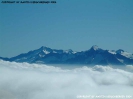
[93, 56]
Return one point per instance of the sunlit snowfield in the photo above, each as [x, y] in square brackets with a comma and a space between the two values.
[34, 81]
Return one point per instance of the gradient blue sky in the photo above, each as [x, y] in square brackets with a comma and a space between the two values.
[68, 24]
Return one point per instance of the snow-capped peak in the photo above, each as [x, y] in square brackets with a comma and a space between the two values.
[44, 50]
[119, 51]
[44, 47]
[95, 47]
[128, 55]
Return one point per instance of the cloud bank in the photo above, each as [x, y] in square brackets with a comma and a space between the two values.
[34, 81]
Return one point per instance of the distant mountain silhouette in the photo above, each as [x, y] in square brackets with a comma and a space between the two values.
[93, 56]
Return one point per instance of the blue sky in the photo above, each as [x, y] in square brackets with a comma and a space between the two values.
[68, 24]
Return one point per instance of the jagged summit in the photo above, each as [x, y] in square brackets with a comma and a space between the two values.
[48, 50]
[119, 51]
[94, 47]
[44, 47]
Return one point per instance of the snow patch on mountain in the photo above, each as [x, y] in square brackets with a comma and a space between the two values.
[121, 60]
[40, 55]
[46, 52]
[128, 55]
[112, 51]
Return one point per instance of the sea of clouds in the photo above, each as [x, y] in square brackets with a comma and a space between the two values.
[36, 81]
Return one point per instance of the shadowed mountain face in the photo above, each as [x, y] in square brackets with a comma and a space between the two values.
[93, 56]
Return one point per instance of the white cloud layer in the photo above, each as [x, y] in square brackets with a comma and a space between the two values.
[34, 81]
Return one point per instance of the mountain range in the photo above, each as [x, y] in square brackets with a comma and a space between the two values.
[93, 56]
